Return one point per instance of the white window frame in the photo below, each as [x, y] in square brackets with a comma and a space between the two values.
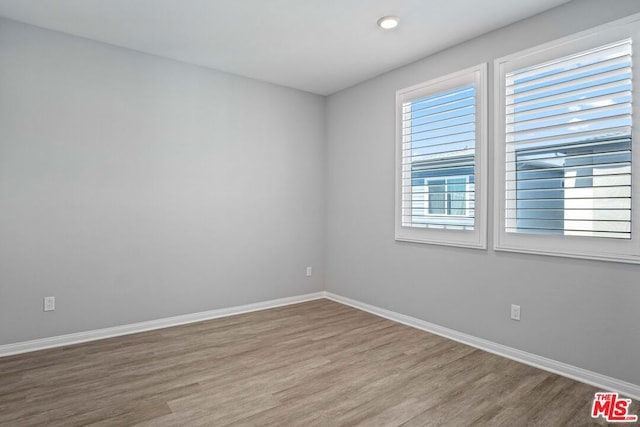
[476, 238]
[598, 248]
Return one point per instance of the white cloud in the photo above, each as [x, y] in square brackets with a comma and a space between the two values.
[602, 103]
[577, 127]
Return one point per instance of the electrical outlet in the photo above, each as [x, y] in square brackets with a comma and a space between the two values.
[49, 303]
[515, 312]
[309, 271]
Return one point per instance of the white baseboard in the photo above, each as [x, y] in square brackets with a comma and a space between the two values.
[573, 372]
[589, 377]
[98, 334]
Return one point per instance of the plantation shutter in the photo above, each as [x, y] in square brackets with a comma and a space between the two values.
[568, 145]
[438, 159]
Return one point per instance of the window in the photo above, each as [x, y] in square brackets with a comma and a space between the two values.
[564, 126]
[441, 160]
[448, 197]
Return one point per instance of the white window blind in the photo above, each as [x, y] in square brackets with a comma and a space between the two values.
[440, 141]
[566, 170]
[568, 145]
[438, 156]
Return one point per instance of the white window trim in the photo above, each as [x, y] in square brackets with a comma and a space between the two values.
[476, 238]
[596, 248]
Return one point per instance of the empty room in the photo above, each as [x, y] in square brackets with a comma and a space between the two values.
[319, 213]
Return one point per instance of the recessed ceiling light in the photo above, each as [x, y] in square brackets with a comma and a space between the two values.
[388, 22]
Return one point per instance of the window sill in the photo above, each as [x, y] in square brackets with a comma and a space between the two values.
[444, 242]
[596, 256]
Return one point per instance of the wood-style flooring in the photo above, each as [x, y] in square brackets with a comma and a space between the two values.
[318, 363]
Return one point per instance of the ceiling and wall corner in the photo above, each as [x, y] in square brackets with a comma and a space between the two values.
[315, 46]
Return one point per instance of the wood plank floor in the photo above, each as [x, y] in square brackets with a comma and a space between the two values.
[318, 363]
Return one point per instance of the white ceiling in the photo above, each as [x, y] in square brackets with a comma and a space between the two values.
[319, 46]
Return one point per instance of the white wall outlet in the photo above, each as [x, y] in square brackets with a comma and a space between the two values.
[309, 271]
[515, 312]
[49, 303]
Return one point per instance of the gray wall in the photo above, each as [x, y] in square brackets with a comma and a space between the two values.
[580, 312]
[134, 187]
